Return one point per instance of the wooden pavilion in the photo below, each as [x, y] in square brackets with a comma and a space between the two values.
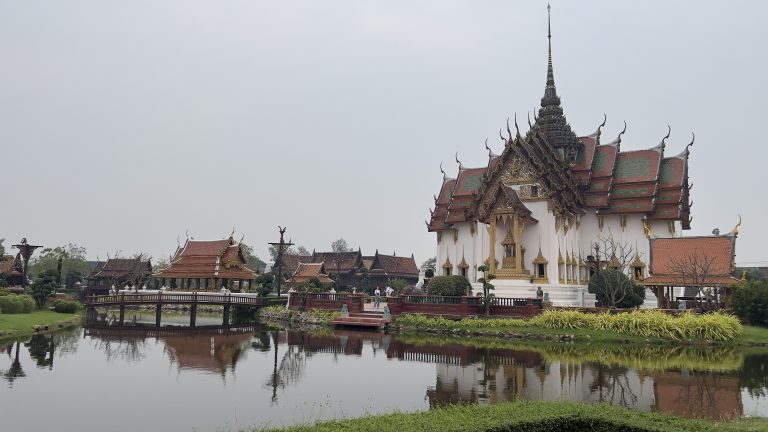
[207, 266]
[683, 267]
[118, 272]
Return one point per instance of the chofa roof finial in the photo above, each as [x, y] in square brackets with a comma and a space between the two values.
[663, 143]
[445, 176]
[461, 167]
[491, 154]
[517, 128]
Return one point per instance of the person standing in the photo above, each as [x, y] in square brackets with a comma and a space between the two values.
[377, 298]
[389, 291]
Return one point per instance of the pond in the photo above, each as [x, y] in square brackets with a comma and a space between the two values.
[139, 377]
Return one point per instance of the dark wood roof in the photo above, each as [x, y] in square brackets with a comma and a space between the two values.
[118, 268]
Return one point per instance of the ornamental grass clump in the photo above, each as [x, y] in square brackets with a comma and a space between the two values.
[648, 324]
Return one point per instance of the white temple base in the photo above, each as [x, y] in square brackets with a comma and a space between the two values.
[559, 295]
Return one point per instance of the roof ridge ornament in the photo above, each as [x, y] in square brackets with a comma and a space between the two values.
[517, 128]
[598, 132]
[663, 144]
[509, 132]
[461, 167]
[686, 151]
[617, 141]
[445, 176]
[735, 231]
[491, 154]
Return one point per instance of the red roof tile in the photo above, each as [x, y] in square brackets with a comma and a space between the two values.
[666, 253]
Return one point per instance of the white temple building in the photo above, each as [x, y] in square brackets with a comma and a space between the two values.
[534, 213]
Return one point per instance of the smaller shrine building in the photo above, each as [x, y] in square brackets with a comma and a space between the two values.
[207, 265]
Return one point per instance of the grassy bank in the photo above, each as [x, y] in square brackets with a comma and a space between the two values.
[532, 417]
[14, 325]
[636, 327]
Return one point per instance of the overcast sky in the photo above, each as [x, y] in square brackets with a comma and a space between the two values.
[125, 123]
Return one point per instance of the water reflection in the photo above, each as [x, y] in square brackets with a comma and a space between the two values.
[260, 375]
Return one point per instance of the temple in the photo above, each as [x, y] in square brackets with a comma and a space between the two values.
[534, 213]
[207, 266]
[348, 269]
[117, 272]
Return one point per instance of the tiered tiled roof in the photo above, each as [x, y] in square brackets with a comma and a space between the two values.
[291, 262]
[671, 257]
[576, 174]
[394, 266]
[342, 262]
[119, 268]
[208, 259]
[307, 271]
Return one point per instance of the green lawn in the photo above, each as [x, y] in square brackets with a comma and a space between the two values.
[531, 416]
[21, 324]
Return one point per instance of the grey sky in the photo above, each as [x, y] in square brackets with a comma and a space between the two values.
[123, 124]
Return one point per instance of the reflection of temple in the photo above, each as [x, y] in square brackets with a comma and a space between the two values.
[215, 354]
[698, 394]
[465, 374]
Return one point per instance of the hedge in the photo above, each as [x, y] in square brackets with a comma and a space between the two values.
[16, 304]
[65, 306]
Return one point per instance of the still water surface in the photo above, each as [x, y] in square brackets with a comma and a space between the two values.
[133, 378]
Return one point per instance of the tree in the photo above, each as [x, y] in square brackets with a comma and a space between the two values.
[610, 282]
[340, 245]
[160, 264]
[2, 248]
[488, 297]
[301, 250]
[365, 280]
[287, 251]
[73, 260]
[264, 284]
[750, 302]
[252, 261]
[694, 270]
[398, 284]
[614, 288]
[138, 274]
[448, 286]
[43, 286]
[429, 264]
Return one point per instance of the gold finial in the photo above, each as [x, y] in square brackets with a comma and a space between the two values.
[647, 229]
[735, 230]
[743, 275]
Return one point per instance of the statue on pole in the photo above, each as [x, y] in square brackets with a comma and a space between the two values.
[25, 250]
[281, 248]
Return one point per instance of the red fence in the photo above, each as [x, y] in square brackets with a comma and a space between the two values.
[463, 306]
[329, 301]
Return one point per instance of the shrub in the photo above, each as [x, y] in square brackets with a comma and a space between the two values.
[16, 304]
[613, 288]
[750, 303]
[655, 324]
[66, 307]
[4, 291]
[448, 286]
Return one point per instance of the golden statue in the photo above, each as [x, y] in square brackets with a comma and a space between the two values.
[647, 229]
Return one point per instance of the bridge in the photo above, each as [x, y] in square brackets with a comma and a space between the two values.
[160, 298]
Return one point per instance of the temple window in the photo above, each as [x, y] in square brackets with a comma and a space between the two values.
[447, 267]
[534, 191]
[463, 267]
